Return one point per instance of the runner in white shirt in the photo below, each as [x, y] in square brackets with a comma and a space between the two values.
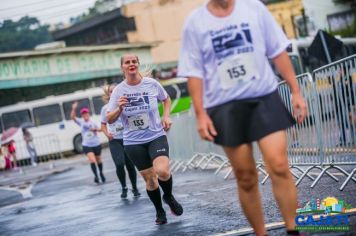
[114, 134]
[145, 142]
[225, 49]
[91, 142]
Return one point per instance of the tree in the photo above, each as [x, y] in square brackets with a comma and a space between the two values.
[23, 34]
[100, 7]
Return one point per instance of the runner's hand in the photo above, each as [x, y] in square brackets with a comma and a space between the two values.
[300, 108]
[74, 105]
[109, 136]
[123, 101]
[167, 123]
[206, 127]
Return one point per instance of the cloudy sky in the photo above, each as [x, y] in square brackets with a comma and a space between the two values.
[47, 11]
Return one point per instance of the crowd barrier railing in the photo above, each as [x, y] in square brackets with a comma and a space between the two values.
[324, 141]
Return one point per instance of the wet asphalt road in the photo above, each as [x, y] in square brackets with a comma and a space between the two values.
[69, 203]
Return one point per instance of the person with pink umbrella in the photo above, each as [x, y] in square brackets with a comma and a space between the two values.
[9, 144]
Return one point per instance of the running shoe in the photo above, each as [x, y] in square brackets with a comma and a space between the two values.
[102, 178]
[135, 192]
[176, 208]
[161, 218]
[124, 193]
[96, 180]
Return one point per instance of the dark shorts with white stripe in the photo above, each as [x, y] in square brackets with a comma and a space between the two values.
[143, 155]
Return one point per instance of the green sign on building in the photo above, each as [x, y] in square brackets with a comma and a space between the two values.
[66, 65]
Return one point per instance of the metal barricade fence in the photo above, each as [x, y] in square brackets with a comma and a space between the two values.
[304, 138]
[336, 90]
[188, 150]
[46, 148]
[311, 144]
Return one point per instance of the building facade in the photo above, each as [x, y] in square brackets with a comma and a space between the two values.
[108, 28]
[162, 21]
[327, 15]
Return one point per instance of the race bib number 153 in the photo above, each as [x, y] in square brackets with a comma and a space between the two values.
[237, 69]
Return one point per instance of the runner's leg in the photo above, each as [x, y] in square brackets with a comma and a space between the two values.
[150, 177]
[244, 167]
[117, 153]
[132, 175]
[100, 166]
[274, 151]
[161, 167]
[92, 161]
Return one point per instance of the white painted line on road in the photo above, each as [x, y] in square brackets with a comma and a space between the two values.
[250, 230]
[269, 226]
[26, 192]
[176, 100]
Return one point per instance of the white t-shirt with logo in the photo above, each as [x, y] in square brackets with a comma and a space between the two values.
[230, 54]
[115, 128]
[140, 118]
[89, 138]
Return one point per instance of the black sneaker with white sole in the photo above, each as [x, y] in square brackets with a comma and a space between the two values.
[176, 208]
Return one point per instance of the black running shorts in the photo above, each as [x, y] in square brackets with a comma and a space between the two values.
[96, 150]
[142, 155]
[248, 120]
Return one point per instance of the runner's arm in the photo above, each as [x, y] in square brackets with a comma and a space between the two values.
[74, 110]
[104, 128]
[285, 68]
[206, 127]
[166, 106]
[112, 116]
[166, 120]
[98, 129]
[195, 87]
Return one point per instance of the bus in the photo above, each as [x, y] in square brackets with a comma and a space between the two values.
[51, 123]
[51, 117]
[303, 62]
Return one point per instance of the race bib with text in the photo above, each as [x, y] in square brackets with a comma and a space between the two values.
[138, 122]
[238, 69]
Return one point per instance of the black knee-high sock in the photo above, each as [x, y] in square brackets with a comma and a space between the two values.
[155, 197]
[100, 165]
[132, 172]
[93, 168]
[166, 186]
[120, 172]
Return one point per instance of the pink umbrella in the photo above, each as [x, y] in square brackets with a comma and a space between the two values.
[8, 134]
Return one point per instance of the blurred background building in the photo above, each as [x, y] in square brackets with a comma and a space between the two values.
[154, 25]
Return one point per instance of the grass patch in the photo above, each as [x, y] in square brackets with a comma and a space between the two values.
[182, 105]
